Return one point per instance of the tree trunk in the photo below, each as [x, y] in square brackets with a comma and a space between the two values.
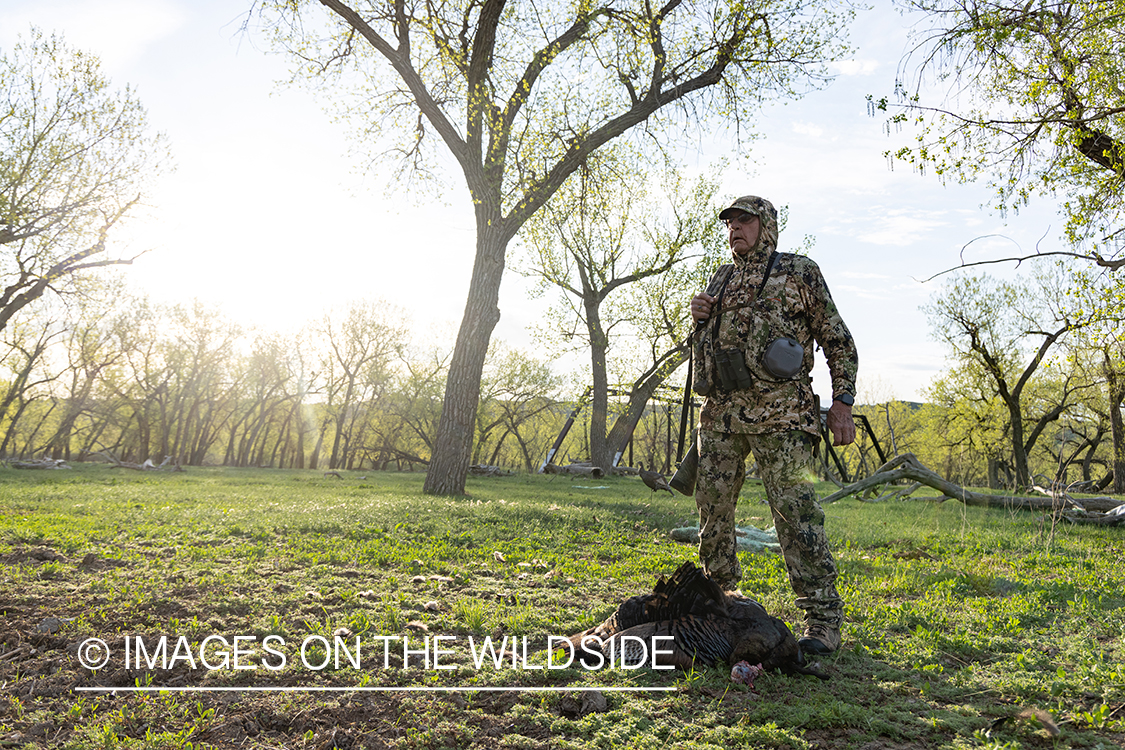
[642, 392]
[1117, 427]
[314, 462]
[453, 444]
[29, 446]
[165, 426]
[280, 447]
[1019, 453]
[499, 445]
[601, 451]
[300, 417]
[527, 462]
[17, 387]
[91, 440]
[891, 430]
[59, 443]
[10, 433]
[334, 456]
[1088, 461]
[144, 433]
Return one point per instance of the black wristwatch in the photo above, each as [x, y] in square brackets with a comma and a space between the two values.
[845, 398]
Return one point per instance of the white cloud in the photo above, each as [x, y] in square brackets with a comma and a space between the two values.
[900, 228]
[860, 291]
[854, 67]
[808, 128]
[862, 275]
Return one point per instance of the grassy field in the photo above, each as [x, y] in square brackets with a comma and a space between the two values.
[965, 627]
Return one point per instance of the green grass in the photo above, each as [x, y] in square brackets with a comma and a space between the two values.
[956, 617]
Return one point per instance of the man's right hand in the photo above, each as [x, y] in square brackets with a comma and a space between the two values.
[701, 306]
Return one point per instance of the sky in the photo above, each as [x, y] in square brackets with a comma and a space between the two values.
[270, 215]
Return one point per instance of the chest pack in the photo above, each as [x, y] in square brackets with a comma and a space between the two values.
[724, 369]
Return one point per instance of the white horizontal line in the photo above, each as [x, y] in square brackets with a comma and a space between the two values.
[422, 689]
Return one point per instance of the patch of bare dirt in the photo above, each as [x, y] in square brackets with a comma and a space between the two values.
[41, 671]
[34, 556]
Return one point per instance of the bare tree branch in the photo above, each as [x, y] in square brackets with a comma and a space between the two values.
[1111, 264]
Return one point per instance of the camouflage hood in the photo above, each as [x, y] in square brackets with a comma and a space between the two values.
[767, 217]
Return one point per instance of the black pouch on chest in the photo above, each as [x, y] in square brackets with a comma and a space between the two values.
[783, 358]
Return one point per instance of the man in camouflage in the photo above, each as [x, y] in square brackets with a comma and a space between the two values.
[770, 411]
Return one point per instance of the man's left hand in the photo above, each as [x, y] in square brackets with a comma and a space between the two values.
[841, 424]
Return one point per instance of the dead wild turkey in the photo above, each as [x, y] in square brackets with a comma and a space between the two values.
[708, 626]
[654, 480]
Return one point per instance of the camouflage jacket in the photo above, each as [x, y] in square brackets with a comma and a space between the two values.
[794, 302]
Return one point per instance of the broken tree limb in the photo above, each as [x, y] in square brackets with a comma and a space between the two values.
[907, 466]
[1096, 519]
[905, 491]
[898, 494]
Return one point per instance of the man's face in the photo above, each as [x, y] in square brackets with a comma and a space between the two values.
[742, 232]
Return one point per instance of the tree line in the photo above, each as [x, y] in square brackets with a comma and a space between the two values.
[134, 380]
[110, 376]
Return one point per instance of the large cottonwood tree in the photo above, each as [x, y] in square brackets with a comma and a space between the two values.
[74, 158]
[599, 244]
[521, 92]
[1000, 334]
[1034, 105]
[361, 347]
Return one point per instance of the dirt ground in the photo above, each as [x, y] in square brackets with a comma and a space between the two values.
[41, 674]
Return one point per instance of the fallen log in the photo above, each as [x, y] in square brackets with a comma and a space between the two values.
[487, 470]
[40, 463]
[907, 466]
[582, 470]
[148, 465]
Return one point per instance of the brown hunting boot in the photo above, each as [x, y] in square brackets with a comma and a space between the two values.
[820, 638]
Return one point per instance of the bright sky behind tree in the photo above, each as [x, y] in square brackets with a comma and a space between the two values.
[270, 214]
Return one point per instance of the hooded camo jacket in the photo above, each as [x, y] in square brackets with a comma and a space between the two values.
[795, 303]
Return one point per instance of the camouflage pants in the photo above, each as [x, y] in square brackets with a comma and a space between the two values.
[784, 460]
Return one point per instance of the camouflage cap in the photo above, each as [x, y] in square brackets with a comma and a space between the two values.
[751, 204]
